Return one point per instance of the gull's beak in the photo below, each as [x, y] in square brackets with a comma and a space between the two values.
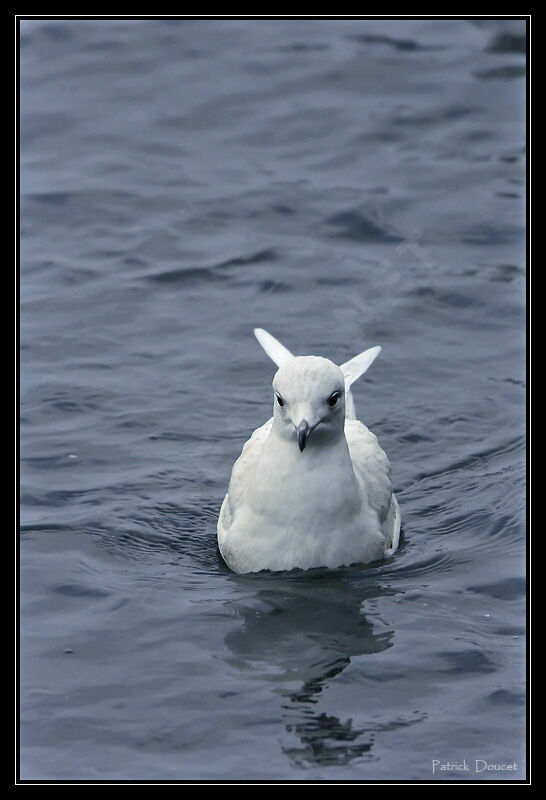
[303, 434]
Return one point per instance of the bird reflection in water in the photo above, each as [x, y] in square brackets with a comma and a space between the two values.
[299, 632]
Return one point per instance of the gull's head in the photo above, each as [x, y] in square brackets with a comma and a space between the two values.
[309, 400]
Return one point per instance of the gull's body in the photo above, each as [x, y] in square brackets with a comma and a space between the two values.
[325, 503]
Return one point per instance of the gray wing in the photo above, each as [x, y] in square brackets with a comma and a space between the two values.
[242, 473]
[373, 468]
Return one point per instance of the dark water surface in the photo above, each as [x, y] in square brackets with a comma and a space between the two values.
[342, 184]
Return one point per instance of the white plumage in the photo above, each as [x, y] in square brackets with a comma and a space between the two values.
[312, 487]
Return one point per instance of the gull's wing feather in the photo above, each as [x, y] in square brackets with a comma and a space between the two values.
[373, 468]
[357, 366]
[352, 370]
[242, 473]
[276, 351]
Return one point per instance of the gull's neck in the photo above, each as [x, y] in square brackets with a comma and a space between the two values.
[322, 474]
[326, 452]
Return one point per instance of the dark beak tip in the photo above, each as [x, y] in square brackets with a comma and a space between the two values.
[303, 433]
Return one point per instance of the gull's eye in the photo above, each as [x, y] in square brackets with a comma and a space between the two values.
[334, 397]
[280, 401]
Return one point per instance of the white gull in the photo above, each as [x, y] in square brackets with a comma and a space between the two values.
[312, 487]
